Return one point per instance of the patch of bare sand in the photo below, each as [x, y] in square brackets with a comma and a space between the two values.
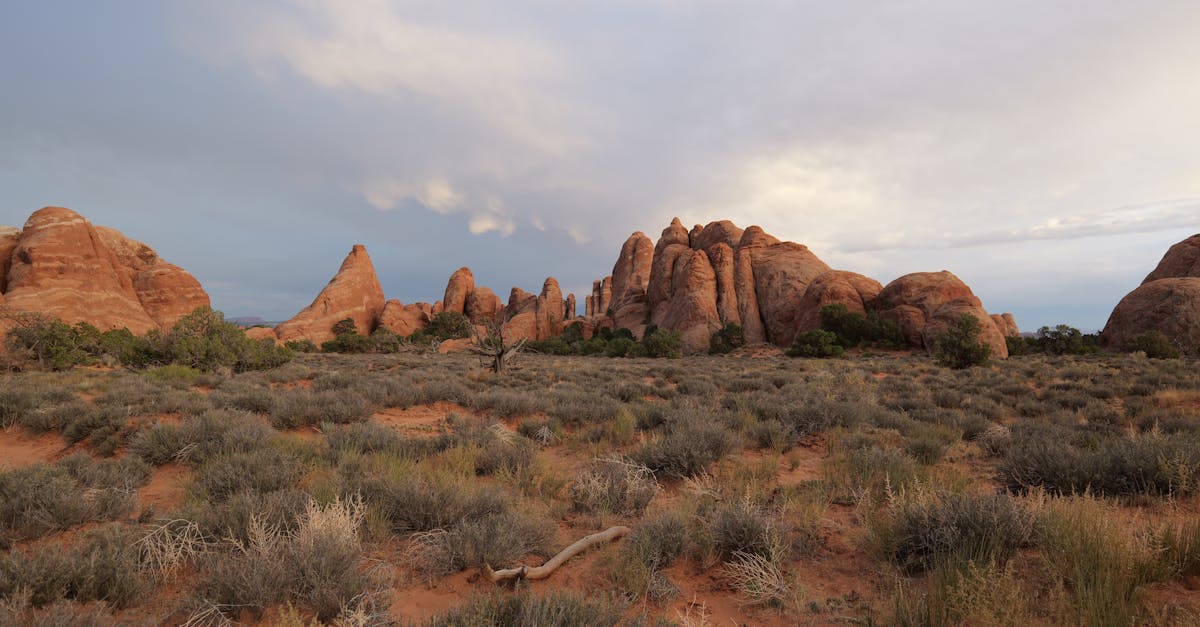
[420, 419]
[19, 448]
[165, 489]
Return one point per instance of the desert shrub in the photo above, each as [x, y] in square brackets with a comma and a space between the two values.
[760, 577]
[446, 325]
[501, 453]
[262, 470]
[1101, 560]
[614, 486]
[851, 329]
[726, 339]
[687, 450]
[870, 470]
[921, 530]
[230, 518]
[205, 341]
[301, 346]
[741, 528]
[346, 339]
[495, 540]
[15, 402]
[1112, 466]
[371, 437]
[818, 343]
[104, 566]
[988, 594]
[661, 343]
[422, 501]
[651, 547]
[54, 344]
[1155, 344]
[579, 407]
[1064, 340]
[299, 408]
[519, 610]
[621, 347]
[959, 346]
[42, 498]
[316, 564]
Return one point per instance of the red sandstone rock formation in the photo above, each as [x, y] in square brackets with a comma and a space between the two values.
[1006, 324]
[836, 287]
[354, 292]
[482, 305]
[1168, 301]
[9, 236]
[460, 286]
[773, 289]
[404, 320]
[62, 267]
[925, 304]
[166, 291]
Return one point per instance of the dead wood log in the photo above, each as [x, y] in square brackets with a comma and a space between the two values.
[543, 571]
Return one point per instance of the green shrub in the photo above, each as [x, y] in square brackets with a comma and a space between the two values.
[447, 325]
[637, 568]
[1114, 466]
[851, 329]
[959, 346]
[661, 343]
[301, 346]
[1155, 344]
[816, 343]
[726, 339]
[205, 341]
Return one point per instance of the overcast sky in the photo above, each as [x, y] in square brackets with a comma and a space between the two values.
[1048, 153]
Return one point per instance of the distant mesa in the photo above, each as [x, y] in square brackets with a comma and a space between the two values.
[695, 281]
[1167, 301]
[61, 265]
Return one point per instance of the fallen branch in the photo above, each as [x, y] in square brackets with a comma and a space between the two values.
[543, 571]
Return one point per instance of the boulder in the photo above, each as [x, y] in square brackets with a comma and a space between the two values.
[836, 287]
[262, 333]
[692, 309]
[482, 306]
[8, 242]
[782, 273]
[62, 267]
[458, 288]
[721, 231]
[549, 310]
[925, 304]
[166, 291]
[747, 297]
[1006, 324]
[631, 272]
[1182, 260]
[354, 292]
[720, 255]
[404, 320]
[1170, 305]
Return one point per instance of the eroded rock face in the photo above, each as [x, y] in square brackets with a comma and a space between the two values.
[1006, 324]
[782, 273]
[62, 267]
[631, 272]
[720, 255]
[483, 306]
[1181, 261]
[262, 333]
[692, 309]
[354, 292]
[836, 287]
[166, 291]
[549, 310]
[1171, 306]
[1168, 301]
[404, 320]
[8, 242]
[925, 304]
[570, 307]
[458, 288]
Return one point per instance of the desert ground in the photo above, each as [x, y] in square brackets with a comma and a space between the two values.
[757, 489]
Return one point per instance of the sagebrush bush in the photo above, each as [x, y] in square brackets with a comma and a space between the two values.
[1109, 466]
[496, 540]
[614, 486]
[959, 346]
[103, 566]
[921, 530]
[689, 449]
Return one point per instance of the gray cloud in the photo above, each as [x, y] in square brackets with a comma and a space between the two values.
[529, 138]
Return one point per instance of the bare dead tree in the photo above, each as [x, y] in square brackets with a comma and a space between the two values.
[493, 349]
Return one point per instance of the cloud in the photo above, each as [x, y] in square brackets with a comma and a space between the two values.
[1144, 218]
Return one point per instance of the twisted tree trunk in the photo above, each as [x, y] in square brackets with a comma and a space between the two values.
[543, 571]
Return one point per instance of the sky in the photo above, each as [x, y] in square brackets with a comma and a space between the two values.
[1048, 153]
